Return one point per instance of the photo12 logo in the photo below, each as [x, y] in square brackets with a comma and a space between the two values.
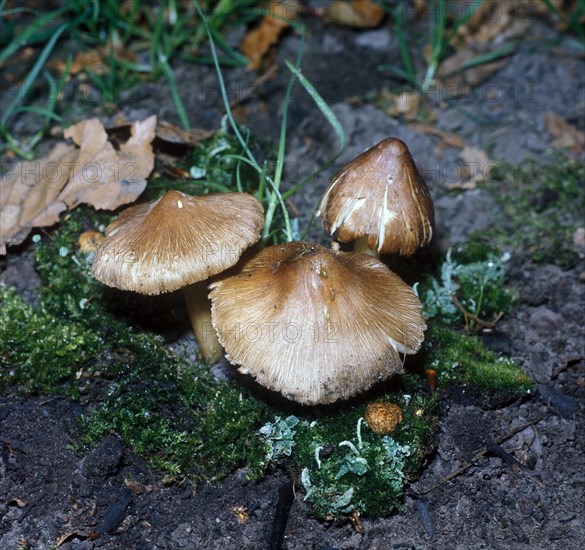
[279, 333]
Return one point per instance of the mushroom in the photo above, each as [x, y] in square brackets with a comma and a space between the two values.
[380, 201]
[179, 241]
[315, 324]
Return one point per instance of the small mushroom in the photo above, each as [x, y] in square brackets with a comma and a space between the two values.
[176, 242]
[380, 201]
[314, 324]
[431, 376]
[383, 418]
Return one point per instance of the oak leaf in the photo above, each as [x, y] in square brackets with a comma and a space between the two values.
[35, 193]
[258, 42]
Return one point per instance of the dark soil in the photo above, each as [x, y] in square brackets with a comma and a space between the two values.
[526, 493]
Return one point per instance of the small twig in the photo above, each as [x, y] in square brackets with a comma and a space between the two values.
[473, 317]
[480, 454]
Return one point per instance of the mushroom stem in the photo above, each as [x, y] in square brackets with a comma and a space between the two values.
[361, 245]
[199, 308]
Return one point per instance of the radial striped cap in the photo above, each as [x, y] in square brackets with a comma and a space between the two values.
[314, 324]
[177, 240]
[381, 195]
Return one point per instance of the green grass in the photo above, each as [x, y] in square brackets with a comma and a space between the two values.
[444, 19]
[540, 209]
[573, 20]
[156, 34]
[440, 35]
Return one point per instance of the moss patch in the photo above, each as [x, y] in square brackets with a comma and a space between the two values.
[339, 459]
[469, 289]
[540, 209]
[182, 420]
[462, 359]
[39, 353]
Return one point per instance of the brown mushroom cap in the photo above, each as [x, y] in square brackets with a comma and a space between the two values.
[380, 194]
[315, 324]
[177, 240]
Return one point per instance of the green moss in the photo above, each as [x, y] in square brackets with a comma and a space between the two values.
[463, 359]
[338, 459]
[180, 418]
[39, 353]
[68, 289]
[540, 209]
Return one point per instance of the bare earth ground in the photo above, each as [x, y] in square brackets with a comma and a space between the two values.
[492, 504]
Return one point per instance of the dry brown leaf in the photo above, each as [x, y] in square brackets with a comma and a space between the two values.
[475, 169]
[498, 20]
[91, 59]
[257, 43]
[449, 139]
[104, 177]
[68, 536]
[564, 134]
[96, 60]
[34, 193]
[457, 83]
[362, 14]
[24, 195]
[137, 487]
[406, 104]
[172, 134]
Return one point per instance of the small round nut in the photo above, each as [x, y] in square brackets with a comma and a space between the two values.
[383, 417]
[89, 241]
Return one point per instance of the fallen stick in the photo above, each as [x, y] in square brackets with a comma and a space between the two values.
[480, 454]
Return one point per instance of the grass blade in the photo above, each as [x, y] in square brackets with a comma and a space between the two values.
[180, 108]
[331, 119]
[29, 33]
[34, 72]
[321, 104]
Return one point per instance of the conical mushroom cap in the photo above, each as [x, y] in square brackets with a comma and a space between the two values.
[380, 194]
[177, 240]
[315, 324]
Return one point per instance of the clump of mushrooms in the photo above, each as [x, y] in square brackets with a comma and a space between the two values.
[312, 323]
[178, 242]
